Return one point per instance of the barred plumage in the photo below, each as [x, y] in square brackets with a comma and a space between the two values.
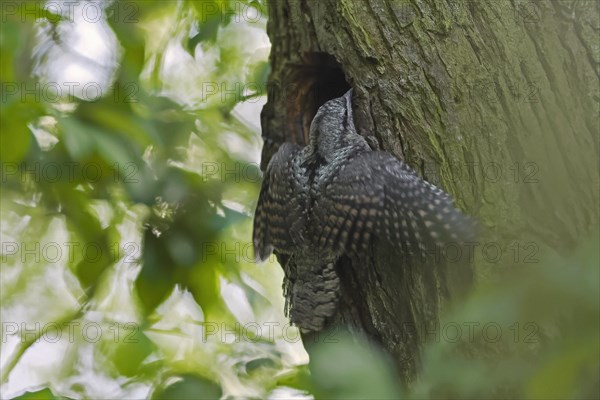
[331, 198]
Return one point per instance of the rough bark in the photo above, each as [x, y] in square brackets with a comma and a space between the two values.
[496, 102]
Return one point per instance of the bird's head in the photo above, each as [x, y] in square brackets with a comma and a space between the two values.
[332, 129]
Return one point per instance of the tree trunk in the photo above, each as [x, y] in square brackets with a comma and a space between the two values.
[496, 102]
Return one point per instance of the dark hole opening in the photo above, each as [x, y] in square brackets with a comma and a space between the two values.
[320, 79]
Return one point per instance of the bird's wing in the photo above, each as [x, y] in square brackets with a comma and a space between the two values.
[278, 219]
[376, 194]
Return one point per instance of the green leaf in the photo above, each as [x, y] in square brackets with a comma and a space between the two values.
[191, 387]
[44, 394]
[343, 368]
[15, 139]
[133, 349]
[78, 142]
[261, 73]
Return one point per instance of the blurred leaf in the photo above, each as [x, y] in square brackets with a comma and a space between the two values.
[562, 376]
[211, 15]
[204, 285]
[147, 148]
[10, 38]
[190, 387]
[110, 148]
[45, 394]
[82, 139]
[78, 142]
[91, 242]
[342, 368]
[156, 279]
[132, 350]
[118, 120]
[549, 316]
[261, 74]
[15, 139]
[298, 378]
[259, 364]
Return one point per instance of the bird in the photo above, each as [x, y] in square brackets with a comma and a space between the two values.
[330, 199]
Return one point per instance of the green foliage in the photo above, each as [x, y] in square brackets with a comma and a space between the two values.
[155, 292]
[541, 339]
[133, 176]
[345, 369]
[44, 394]
[190, 387]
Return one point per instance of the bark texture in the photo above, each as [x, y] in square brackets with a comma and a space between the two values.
[496, 102]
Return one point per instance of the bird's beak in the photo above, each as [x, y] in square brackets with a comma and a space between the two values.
[348, 97]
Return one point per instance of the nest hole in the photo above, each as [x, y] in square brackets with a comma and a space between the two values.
[318, 80]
